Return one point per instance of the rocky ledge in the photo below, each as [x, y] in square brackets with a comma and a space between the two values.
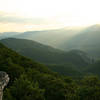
[4, 79]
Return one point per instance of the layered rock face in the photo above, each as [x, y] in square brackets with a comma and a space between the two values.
[4, 79]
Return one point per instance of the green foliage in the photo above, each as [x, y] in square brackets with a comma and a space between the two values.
[43, 53]
[30, 80]
[94, 68]
[66, 63]
[23, 89]
[65, 69]
[90, 88]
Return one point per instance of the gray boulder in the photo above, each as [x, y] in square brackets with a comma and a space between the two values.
[4, 79]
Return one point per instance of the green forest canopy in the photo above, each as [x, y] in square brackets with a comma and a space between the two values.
[30, 80]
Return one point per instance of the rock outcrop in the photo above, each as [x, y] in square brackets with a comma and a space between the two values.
[4, 79]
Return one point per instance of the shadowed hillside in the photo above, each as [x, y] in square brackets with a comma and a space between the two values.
[46, 54]
[66, 63]
[29, 80]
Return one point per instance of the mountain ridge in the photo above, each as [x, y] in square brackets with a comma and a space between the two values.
[26, 46]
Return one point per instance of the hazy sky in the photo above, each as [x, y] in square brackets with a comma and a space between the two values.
[25, 15]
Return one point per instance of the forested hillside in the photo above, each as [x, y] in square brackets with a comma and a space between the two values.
[32, 81]
[66, 63]
[44, 53]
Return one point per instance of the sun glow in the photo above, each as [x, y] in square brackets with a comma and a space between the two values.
[56, 12]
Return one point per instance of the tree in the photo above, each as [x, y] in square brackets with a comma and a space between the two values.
[23, 89]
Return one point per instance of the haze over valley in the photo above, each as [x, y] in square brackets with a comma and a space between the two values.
[50, 49]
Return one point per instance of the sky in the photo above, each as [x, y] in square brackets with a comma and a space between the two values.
[27, 15]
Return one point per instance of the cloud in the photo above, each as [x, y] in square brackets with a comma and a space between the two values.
[9, 18]
[12, 22]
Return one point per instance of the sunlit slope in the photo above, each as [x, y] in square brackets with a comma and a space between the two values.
[88, 41]
[51, 37]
